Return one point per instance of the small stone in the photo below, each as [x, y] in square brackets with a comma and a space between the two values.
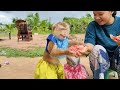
[6, 63]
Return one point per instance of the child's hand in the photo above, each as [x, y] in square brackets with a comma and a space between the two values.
[72, 53]
[75, 50]
[79, 50]
[116, 39]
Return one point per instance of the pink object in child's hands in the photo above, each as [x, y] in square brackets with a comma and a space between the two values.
[76, 48]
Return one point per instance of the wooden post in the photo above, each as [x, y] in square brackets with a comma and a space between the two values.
[10, 35]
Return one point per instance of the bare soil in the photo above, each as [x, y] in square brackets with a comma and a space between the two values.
[22, 67]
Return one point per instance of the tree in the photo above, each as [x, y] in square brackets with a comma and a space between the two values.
[14, 20]
[34, 21]
[9, 27]
[78, 25]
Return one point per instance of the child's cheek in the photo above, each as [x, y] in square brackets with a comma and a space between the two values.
[57, 33]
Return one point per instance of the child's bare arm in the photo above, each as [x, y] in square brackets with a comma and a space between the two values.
[50, 59]
[54, 51]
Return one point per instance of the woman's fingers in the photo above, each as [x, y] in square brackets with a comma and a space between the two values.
[116, 39]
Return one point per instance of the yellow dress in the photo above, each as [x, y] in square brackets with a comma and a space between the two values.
[45, 70]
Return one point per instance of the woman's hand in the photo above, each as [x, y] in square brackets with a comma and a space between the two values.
[72, 53]
[116, 39]
[78, 50]
[84, 50]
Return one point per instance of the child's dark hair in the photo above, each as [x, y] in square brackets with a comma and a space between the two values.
[114, 13]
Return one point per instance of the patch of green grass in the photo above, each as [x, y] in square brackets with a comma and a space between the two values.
[10, 52]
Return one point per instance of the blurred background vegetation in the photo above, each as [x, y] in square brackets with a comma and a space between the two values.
[77, 25]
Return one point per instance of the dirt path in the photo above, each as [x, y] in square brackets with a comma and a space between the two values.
[23, 68]
[18, 68]
[38, 40]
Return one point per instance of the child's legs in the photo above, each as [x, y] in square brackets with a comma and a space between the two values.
[45, 70]
[99, 61]
[60, 72]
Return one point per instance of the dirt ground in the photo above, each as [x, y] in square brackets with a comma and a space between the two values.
[22, 67]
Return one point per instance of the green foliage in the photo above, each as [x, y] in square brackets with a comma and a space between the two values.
[38, 26]
[77, 25]
[10, 52]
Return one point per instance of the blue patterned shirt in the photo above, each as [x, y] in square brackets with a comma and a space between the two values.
[61, 44]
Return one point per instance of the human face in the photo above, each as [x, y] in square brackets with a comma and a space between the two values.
[61, 32]
[103, 17]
